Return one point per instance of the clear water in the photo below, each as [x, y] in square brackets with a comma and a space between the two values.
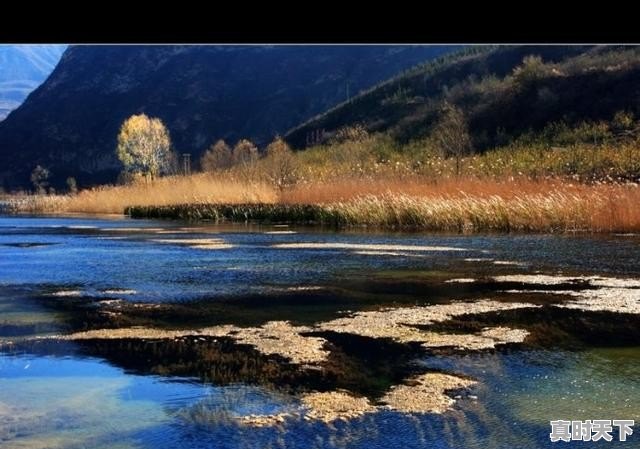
[65, 396]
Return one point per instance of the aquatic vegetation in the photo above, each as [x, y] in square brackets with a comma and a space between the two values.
[522, 208]
[297, 345]
[593, 293]
[425, 393]
[415, 201]
[332, 405]
[280, 338]
[273, 338]
[405, 324]
[239, 405]
[393, 346]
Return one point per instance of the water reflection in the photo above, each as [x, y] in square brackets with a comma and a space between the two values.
[61, 275]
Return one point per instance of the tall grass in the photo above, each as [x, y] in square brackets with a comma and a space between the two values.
[196, 189]
[449, 206]
[563, 179]
[412, 202]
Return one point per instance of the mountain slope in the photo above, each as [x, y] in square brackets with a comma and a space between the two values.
[22, 69]
[202, 93]
[502, 98]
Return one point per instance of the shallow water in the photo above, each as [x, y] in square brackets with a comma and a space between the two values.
[62, 275]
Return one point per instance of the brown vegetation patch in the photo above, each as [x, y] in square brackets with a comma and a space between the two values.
[401, 325]
[332, 405]
[425, 393]
[592, 293]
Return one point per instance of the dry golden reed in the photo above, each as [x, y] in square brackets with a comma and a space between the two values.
[196, 189]
[460, 205]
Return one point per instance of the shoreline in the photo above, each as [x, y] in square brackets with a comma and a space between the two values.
[169, 214]
[342, 216]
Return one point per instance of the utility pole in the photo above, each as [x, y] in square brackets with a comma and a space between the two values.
[186, 164]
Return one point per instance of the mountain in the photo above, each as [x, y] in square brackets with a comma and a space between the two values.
[202, 93]
[504, 91]
[22, 69]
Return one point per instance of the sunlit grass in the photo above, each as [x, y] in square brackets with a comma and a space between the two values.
[196, 189]
[459, 206]
[413, 202]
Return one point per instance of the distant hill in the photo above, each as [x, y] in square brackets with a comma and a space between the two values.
[202, 93]
[502, 98]
[22, 69]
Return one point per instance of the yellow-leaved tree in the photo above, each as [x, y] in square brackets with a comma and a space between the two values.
[144, 147]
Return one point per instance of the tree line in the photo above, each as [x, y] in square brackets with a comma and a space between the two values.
[144, 148]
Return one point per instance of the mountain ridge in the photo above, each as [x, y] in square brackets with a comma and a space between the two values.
[568, 83]
[203, 93]
[22, 69]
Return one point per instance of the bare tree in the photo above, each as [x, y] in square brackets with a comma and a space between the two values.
[451, 134]
[245, 156]
[280, 163]
[217, 157]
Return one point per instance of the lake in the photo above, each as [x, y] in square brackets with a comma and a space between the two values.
[119, 333]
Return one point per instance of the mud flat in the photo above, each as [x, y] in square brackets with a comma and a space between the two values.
[425, 393]
[295, 344]
[400, 324]
[273, 338]
[592, 293]
[333, 405]
[307, 348]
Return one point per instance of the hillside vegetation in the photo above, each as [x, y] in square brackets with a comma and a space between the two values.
[505, 92]
[543, 139]
[202, 93]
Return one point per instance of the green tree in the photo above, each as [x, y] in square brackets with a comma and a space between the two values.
[451, 134]
[144, 147]
[217, 157]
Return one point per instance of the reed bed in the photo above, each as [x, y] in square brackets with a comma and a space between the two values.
[520, 207]
[196, 189]
[411, 203]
